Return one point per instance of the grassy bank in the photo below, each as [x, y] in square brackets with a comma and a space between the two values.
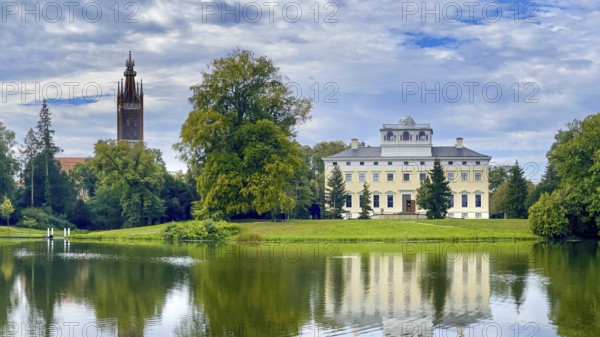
[18, 232]
[351, 230]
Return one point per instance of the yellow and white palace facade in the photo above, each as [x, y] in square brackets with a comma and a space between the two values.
[395, 169]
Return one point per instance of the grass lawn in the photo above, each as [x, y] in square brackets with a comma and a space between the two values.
[23, 232]
[390, 230]
[351, 230]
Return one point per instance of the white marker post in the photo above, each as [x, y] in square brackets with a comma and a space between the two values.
[69, 231]
[52, 231]
[48, 232]
[65, 232]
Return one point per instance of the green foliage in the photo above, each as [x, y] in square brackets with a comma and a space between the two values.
[335, 197]
[6, 209]
[497, 176]
[200, 230]
[365, 203]
[44, 218]
[8, 164]
[516, 194]
[130, 181]
[433, 194]
[548, 217]
[317, 153]
[576, 156]
[238, 139]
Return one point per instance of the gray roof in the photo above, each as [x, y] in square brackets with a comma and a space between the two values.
[436, 151]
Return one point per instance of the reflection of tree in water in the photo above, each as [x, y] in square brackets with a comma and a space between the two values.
[7, 281]
[435, 284]
[573, 271]
[510, 271]
[237, 295]
[129, 291]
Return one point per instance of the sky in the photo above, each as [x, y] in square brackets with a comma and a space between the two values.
[504, 75]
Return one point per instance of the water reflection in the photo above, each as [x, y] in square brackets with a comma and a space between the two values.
[60, 289]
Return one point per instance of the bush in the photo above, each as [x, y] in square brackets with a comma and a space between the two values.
[199, 230]
[43, 218]
[548, 217]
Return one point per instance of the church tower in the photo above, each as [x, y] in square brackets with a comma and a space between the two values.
[130, 106]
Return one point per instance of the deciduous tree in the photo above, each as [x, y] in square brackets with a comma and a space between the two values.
[239, 137]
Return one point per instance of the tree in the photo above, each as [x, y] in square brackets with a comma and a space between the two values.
[239, 137]
[335, 194]
[317, 153]
[8, 164]
[498, 202]
[516, 194]
[130, 176]
[45, 135]
[365, 202]
[32, 148]
[548, 217]
[497, 175]
[6, 209]
[576, 156]
[433, 194]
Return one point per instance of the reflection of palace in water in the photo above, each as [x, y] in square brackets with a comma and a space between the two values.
[403, 291]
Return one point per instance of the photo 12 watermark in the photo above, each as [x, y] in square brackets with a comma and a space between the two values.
[469, 91]
[69, 12]
[270, 11]
[472, 12]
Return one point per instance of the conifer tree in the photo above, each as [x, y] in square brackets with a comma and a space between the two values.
[335, 196]
[365, 202]
[433, 193]
[516, 193]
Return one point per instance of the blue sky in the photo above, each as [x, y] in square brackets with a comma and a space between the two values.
[503, 75]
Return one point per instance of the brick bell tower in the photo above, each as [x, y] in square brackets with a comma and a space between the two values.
[130, 106]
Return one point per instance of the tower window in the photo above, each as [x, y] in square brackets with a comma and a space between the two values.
[405, 136]
[422, 136]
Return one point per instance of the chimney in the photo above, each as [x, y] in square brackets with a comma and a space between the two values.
[354, 143]
[459, 143]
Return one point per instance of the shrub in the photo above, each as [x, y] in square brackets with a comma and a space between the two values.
[548, 217]
[199, 230]
[43, 218]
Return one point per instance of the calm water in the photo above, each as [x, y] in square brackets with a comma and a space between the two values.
[494, 289]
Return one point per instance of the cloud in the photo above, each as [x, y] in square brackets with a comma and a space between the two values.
[361, 56]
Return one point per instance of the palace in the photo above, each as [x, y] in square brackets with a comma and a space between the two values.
[130, 106]
[395, 170]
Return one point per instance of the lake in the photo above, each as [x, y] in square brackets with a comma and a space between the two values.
[322, 289]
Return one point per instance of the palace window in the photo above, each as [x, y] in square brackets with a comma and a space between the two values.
[464, 162]
[390, 177]
[465, 215]
[405, 163]
[406, 177]
[422, 163]
[450, 176]
[375, 163]
[349, 201]
[389, 163]
[347, 163]
[477, 176]
[465, 200]
[376, 201]
[390, 201]
[478, 215]
[361, 176]
[451, 201]
[422, 176]
[477, 200]
[335, 163]
[451, 163]
[361, 163]
[405, 136]
[376, 176]
[464, 176]
[348, 177]
[478, 163]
